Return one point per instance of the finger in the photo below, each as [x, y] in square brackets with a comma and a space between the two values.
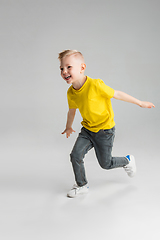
[152, 105]
[67, 135]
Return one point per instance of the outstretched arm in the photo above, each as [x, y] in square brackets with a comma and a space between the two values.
[127, 98]
[70, 118]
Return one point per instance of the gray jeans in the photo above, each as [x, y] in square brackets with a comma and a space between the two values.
[102, 142]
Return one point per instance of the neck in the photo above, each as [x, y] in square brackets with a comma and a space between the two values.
[79, 83]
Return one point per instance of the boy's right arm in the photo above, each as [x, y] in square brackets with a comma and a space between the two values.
[70, 118]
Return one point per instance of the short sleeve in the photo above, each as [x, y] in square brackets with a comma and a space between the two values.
[105, 90]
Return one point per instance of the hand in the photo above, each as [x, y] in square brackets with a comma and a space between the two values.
[147, 105]
[68, 132]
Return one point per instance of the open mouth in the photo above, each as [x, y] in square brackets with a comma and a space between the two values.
[67, 78]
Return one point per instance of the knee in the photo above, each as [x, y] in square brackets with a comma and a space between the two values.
[106, 164]
[75, 157]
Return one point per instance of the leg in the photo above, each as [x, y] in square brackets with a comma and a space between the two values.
[82, 145]
[103, 147]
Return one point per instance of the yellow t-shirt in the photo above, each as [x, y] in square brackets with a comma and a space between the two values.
[93, 100]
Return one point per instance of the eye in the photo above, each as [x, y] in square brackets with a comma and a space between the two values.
[69, 66]
[61, 69]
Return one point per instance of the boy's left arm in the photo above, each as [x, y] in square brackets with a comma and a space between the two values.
[127, 98]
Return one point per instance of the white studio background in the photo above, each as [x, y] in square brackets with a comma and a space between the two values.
[120, 42]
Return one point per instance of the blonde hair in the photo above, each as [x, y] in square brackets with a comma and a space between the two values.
[69, 53]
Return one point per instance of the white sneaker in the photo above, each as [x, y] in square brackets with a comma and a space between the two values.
[130, 168]
[76, 190]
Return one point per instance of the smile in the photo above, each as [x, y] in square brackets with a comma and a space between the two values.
[67, 78]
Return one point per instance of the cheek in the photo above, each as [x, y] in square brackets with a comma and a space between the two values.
[75, 71]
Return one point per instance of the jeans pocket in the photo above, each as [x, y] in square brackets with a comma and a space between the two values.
[109, 131]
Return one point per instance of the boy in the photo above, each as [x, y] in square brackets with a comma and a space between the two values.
[93, 99]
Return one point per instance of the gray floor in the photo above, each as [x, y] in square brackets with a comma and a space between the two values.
[34, 183]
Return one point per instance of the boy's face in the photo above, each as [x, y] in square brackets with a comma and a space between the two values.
[72, 68]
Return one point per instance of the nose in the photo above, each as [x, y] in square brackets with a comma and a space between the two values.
[64, 70]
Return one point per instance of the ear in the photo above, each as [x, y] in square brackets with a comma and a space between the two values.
[83, 67]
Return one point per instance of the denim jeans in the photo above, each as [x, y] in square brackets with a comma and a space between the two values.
[102, 142]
